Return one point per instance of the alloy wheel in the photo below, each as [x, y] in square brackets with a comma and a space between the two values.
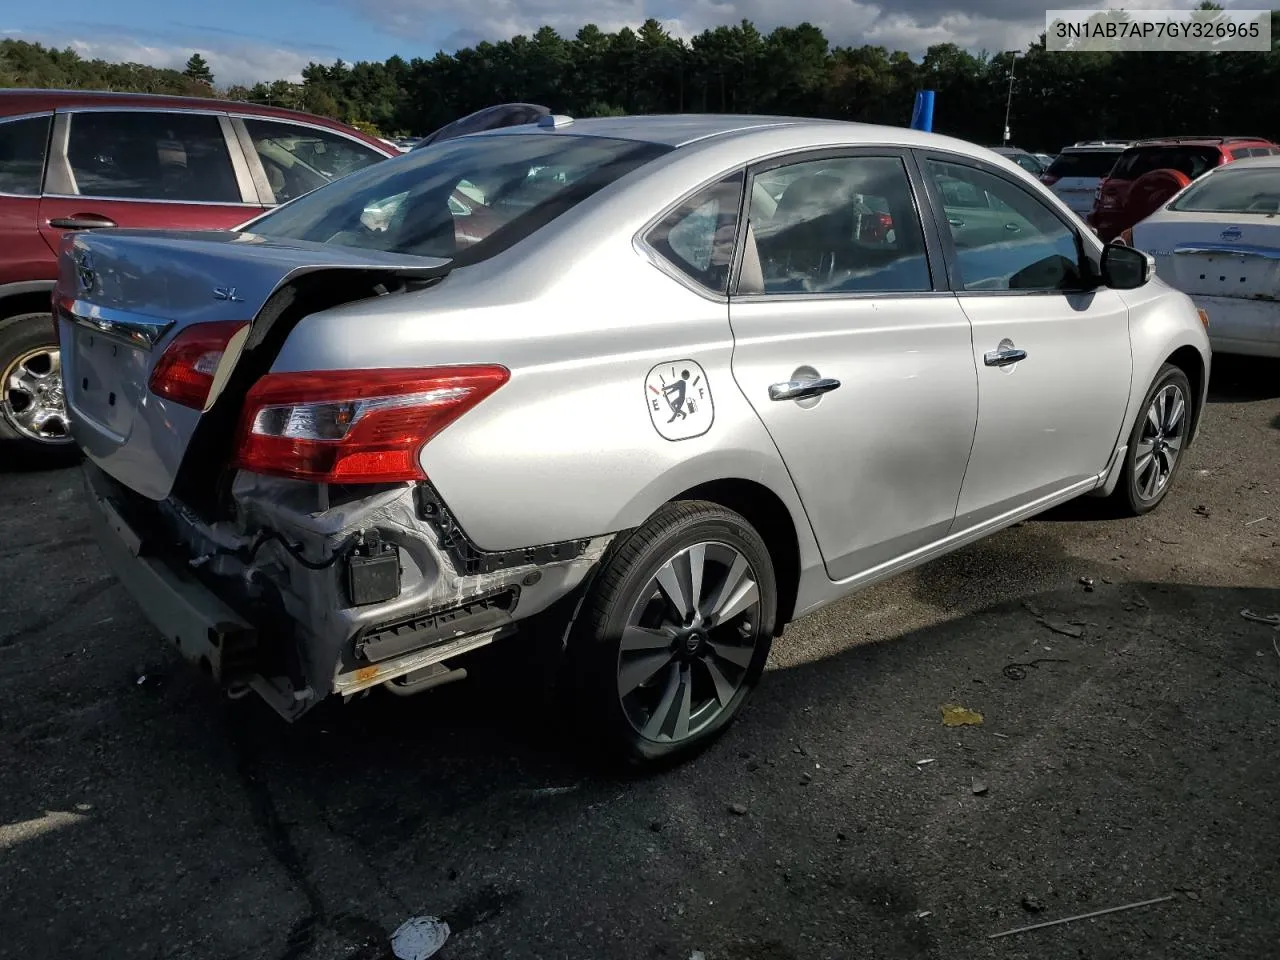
[1160, 443]
[33, 399]
[689, 642]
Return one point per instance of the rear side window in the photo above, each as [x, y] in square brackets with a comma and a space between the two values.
[299, 159]
[697, 237]
[151, 155]
[846, 225]
[22, 150]
[1233, 190]
[1091, 163]
[1190, 161]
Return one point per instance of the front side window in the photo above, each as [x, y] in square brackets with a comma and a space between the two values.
[411, 204]
[1087, 163]
[1233, 190]
[151, 155]
[697, 237]
[22, 149]
[1005, 239]
[300, 159]
[1191, 162]
[840, 225]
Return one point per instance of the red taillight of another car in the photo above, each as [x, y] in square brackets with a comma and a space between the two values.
[185, 371]
[355, 426]
[1048, 180]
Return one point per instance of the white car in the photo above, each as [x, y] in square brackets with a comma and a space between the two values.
[1077, 171]
[1218, 240]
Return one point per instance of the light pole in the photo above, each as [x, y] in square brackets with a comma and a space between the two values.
[1009, 99]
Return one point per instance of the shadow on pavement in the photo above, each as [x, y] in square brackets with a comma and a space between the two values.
[1121, 764]
[1237, 379]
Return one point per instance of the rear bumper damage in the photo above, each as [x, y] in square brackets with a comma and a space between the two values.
[306, 594]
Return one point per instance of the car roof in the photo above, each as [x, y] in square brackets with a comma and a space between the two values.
[682, 130]
[1095, 148]
[1200, 142]
[20, 101]
[1247, 163]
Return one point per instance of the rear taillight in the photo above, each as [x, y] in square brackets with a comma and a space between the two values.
[1048, 180]
[355, 426]
[185, 371]
[1126, 237]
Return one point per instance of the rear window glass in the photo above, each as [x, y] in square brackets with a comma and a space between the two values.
[1190, 161]
[22, 148]
[1232, 190]
[1091, 163]
[463, 199]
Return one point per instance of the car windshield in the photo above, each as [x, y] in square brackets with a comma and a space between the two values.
[1086, 163]
[464, 199]
[1234, 190]
[1190, 161]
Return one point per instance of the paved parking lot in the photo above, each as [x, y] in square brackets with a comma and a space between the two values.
[140, 816]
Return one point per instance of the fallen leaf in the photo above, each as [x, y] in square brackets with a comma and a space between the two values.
[954, 715]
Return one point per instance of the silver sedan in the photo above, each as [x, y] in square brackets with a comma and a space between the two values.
[660, 386]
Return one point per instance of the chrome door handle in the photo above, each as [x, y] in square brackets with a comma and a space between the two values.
[1004, 357]
[81, 223]
[955, 221]
[802, 389]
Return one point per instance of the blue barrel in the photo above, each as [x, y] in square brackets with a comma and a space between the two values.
[922, 115]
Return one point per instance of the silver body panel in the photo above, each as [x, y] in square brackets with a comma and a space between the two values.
[922, 448]
[1228, 263]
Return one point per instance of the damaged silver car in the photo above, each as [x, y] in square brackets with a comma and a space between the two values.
[661, 385]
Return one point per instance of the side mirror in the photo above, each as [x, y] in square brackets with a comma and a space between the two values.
[1124, 268]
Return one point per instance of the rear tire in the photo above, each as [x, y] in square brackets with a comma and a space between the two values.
[1156, 443]
[34, 427]
[673, 634]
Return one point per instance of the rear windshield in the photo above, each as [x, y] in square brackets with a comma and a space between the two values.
[464, 199]
[1090, 163]
[1190, 161]
[1233, 190]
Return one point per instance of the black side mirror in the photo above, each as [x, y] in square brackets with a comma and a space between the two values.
[1124, 268]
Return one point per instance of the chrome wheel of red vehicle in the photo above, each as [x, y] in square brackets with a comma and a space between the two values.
[33, 407]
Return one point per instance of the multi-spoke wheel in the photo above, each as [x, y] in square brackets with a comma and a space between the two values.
[676, 631]
[33, 409]
[1155, 446]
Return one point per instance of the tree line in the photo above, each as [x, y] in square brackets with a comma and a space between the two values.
[1057, 98]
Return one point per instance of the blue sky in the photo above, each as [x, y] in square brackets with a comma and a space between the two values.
[249, 40]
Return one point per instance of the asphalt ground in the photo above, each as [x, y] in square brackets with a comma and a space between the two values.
[1127, 752]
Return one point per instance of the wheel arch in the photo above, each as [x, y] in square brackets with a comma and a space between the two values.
[1190, 361]
[30, 297]
[768, 514]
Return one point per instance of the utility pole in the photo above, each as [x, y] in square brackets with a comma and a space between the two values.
[1009, 99]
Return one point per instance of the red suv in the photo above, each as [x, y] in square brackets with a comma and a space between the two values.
[1149, 172]
[71, 160]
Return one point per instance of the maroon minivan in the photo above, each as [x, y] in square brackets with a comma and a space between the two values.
[76, 160]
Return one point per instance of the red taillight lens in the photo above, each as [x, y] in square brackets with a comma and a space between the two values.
[1047, 180]
[1126, 237]
[355, 426]
[185, 371]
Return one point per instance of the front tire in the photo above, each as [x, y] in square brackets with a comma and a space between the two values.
[674, 634]
[1156, 442]
[33, 412]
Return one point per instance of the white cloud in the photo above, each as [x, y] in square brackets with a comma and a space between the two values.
[232, 61]
[911, 25]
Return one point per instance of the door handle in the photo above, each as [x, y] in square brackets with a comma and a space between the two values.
[1004, 357]
[955, 221]
[802, 389]
[82, 221]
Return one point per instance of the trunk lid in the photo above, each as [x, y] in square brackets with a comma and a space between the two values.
[123, 295]
[1204, 255]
